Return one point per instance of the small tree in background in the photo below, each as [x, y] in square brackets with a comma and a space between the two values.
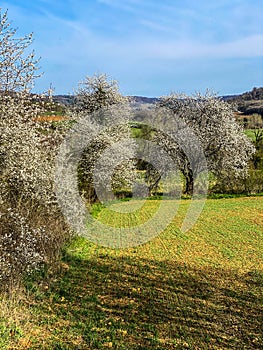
[17, 68]
[226, 148]
[97, 92]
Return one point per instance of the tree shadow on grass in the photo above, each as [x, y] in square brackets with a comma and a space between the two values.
[124, 303]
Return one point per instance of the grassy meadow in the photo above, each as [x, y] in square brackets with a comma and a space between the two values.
[251, 133]
[201, 289]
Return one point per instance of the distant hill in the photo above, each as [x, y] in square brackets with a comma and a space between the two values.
[142, 99]
[248, 102]
[69, 99]
[254, 94]
[64, 99]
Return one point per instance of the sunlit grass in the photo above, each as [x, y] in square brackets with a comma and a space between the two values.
[251, 133]
[201, 289]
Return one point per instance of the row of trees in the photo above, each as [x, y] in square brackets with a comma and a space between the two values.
[28, 148]
[226, 148]
[32, 228]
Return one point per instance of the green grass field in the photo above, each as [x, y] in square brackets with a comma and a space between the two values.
[196, 290]
[251, 133]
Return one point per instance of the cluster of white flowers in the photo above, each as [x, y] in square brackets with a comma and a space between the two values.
[107, 154]
[27, 150]
[17, 69]
[22, 248]
[99, 105]
[27, 157]
[225, 146]
[97, 92]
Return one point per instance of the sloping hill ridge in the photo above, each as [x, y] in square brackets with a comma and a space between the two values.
[248, 103]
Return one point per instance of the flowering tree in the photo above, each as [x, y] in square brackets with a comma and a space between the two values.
[17, 69]
[96, 92]
[27, 158]
[95, 98]
[225, 146]
[26, 146]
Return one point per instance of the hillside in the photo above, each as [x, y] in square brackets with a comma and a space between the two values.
[248, 103]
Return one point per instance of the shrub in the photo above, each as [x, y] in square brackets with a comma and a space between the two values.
[29, 214]
[29, 239]
[252, 184]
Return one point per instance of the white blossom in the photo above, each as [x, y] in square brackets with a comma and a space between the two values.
[226, 148]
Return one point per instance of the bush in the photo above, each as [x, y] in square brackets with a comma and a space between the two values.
[252, 184]
[30, 238]
[31, 226]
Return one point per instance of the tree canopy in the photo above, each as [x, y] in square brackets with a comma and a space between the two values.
[226, 148]
[18, 68]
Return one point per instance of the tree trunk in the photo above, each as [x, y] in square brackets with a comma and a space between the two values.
[189, 182]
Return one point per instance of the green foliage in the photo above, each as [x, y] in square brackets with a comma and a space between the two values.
[254, 183]
[251, 134]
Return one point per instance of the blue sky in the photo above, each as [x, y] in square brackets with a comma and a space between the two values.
[150, 47]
